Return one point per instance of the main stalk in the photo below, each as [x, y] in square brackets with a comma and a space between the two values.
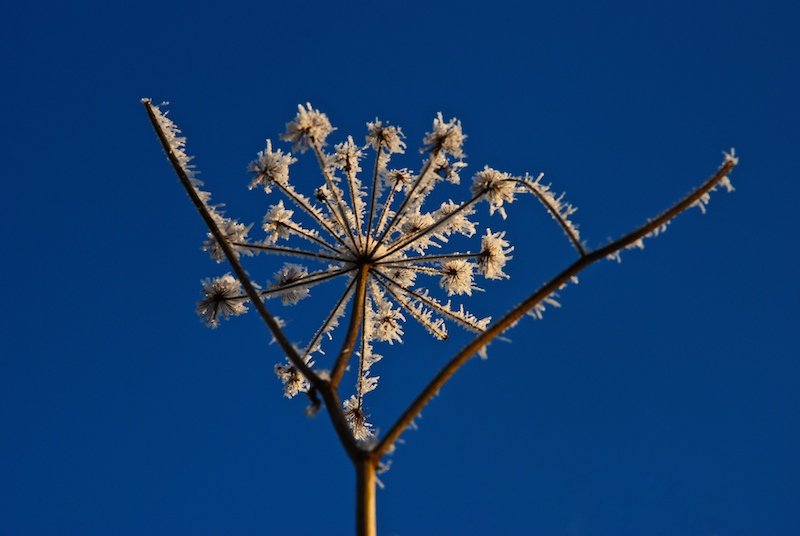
[365, 497]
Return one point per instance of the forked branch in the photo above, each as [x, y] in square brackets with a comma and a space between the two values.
[653, 226]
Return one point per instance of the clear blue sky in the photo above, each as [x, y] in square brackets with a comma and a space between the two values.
[663, 398]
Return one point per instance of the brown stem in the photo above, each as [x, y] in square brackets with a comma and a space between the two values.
[413, 410]
[356, 317]
[365, 497]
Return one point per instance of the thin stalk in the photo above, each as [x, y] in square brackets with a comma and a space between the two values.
[288, 251]
[428, 258]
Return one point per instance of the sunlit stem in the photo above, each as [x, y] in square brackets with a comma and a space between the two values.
[352, 331]
[366, 524]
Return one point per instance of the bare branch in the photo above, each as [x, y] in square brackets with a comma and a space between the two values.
[414, 409]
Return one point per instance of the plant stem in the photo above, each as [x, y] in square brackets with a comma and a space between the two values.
[365, 497]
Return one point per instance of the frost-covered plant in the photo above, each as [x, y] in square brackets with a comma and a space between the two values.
[375, 233]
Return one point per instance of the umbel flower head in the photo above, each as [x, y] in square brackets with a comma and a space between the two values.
[373, 230]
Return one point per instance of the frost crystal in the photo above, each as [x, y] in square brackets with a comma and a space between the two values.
[270, 167]
[309, 127]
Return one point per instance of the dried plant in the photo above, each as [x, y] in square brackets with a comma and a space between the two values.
[377, 237]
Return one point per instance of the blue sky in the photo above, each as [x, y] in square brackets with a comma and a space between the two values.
[661, 399]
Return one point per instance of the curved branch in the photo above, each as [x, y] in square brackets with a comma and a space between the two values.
[413, 410]
[568, 228]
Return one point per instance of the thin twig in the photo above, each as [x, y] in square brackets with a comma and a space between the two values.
[288, 251]
[429, 258]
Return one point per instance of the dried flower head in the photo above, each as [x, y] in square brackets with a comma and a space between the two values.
[374, 233]
[222, 297]
[310, 127]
